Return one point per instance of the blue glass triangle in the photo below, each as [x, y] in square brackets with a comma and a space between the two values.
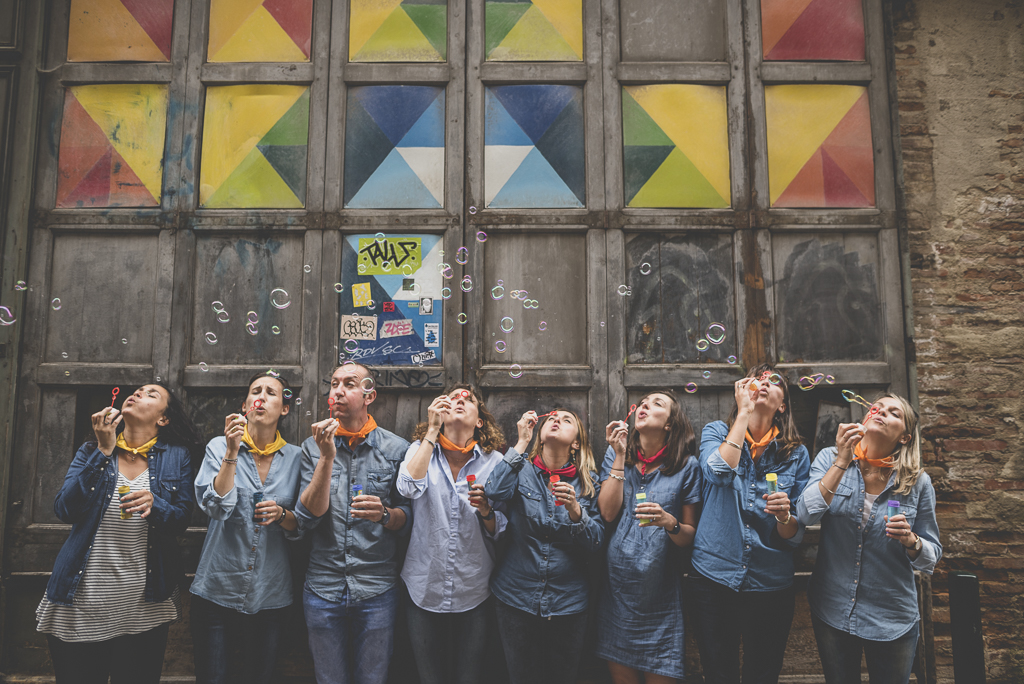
[428, 131]
[393, 185]
[535, 185]
[500, 128]
[534, 107]
[395, 108]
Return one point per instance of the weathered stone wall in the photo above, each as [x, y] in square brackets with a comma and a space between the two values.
[960, 80]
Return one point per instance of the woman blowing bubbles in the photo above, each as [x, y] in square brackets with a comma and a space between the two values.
[553, 527]
[862, 592]
[114, 588]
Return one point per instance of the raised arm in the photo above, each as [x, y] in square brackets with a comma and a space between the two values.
[609, 501]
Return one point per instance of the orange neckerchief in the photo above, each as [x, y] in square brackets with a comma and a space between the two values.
[860, 455]
[356, 438]
[757, 448]
[449, 445]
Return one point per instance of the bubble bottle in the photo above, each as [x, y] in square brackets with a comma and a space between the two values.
[551, 487]
[641, 497]
[773, 483]
[124, 490]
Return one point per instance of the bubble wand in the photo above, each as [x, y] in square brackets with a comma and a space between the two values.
[113, 395]
[255, 405]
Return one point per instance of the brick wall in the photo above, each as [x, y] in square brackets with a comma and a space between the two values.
[960, 82]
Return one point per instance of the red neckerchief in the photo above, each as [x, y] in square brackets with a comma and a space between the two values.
[567, 472]
[644, 461]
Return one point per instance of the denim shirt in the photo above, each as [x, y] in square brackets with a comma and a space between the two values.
[245, 566]
[545, 570]
[88, 486]
[737, 543]
[451, 555]
[849, 552]
[352, 555]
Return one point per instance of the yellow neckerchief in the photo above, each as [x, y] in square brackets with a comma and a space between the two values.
[142, 450]
[449, 445]
[355, 438]
[276, 445]
[757, 448]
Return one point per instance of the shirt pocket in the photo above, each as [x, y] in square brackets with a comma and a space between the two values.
[378, 482]
[910, 512]
[842, 498]
[172, 491]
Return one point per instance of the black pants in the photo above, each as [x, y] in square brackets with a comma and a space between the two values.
[225, 641]
[540, 650]
[130, 659]
[722, 617]
[449, 647]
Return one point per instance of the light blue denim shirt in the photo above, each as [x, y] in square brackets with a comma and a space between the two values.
[243, 565]
[852, 557]
[451, 555]
[544, 571]
[359, 556]
[737, 543]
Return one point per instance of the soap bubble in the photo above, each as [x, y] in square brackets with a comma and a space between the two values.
[830, 379]
[690, 388]
[602, 324]
[371, 305]
[462, 318]
[623, 290]
[307, 268]
[20, 286]
[287, 394]
[702, 344]
[339, 288]
[67, 373]
[298, 401]
[706, 374]
[253, 317]
[124, 340]
[515, 370]
[368, 385]
[447, 271]
[223, 317]
[361, 268]
[506, 324]
[716, 333]
[211, 338]
[276, 330]
[731, 360]
[64, 355]
[407, 269]
[6, 316]
[379, 237]
[530, 304]
[386, 267]
[500, 346]
[446, 293]
[203, 367]
[481, 236]
[55, 304]
[645, 268]
[775, 379]
[467, 284]
[279, 298]
[497, 292]
[543, 326]
[218, 307]
[351, 346]
[472, 210]
[462, 256]
[806, 383]
[251, 328]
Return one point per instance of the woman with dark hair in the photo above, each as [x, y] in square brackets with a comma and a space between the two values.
[114, 589]
[554, 528]
[876, 506]
[754, 468]
[651, 485]
[451, 548]
[248, 485]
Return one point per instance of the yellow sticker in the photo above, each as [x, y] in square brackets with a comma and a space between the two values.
[360, 294]
[390, 256]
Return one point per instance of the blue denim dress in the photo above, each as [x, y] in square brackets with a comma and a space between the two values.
[640, 611]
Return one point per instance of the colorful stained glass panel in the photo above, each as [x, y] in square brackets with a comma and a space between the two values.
[537, 31]
[398, 31]
[120, 30]
[812, 30]
[533, 147]
[394, 147]
[676, 146]
[254, 147]
[819, 146]
[260, 30]
[112, 146]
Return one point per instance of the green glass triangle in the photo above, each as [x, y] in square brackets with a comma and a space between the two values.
[254, 184]
[500, 17]
[678, 183]
[639, 162]
[293, 127]
[433, 21]
[638, 128]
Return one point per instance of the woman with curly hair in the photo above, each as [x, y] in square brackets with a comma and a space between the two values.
[451, 548]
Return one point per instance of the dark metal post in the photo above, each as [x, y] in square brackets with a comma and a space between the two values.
[965, 625]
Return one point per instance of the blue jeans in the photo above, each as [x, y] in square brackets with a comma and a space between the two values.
[351, 641]
[218, 633]
[889, 662]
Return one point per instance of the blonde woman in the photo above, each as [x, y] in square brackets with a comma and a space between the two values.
[553, 526]
[855, 491]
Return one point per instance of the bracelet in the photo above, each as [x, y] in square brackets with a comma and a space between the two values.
[231, 460]
[734, 444]
[433, 444]
[826, 488]
[489, 516]
[617, 477]
[839, 466]
[621, 470]
[284, 514]
[789, 517]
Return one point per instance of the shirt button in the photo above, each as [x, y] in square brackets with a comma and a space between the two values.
[250, 567]
[254, 548]
[79, 572]
[747, 546]
[852, 600]
[854, 581]
[92, 489]
[744, 567]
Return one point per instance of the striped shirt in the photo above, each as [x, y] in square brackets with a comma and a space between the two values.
[110, 599]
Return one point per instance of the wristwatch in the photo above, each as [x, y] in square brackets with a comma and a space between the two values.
[918, 544]
[489, 516]
[387, 517]
[674, 530]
